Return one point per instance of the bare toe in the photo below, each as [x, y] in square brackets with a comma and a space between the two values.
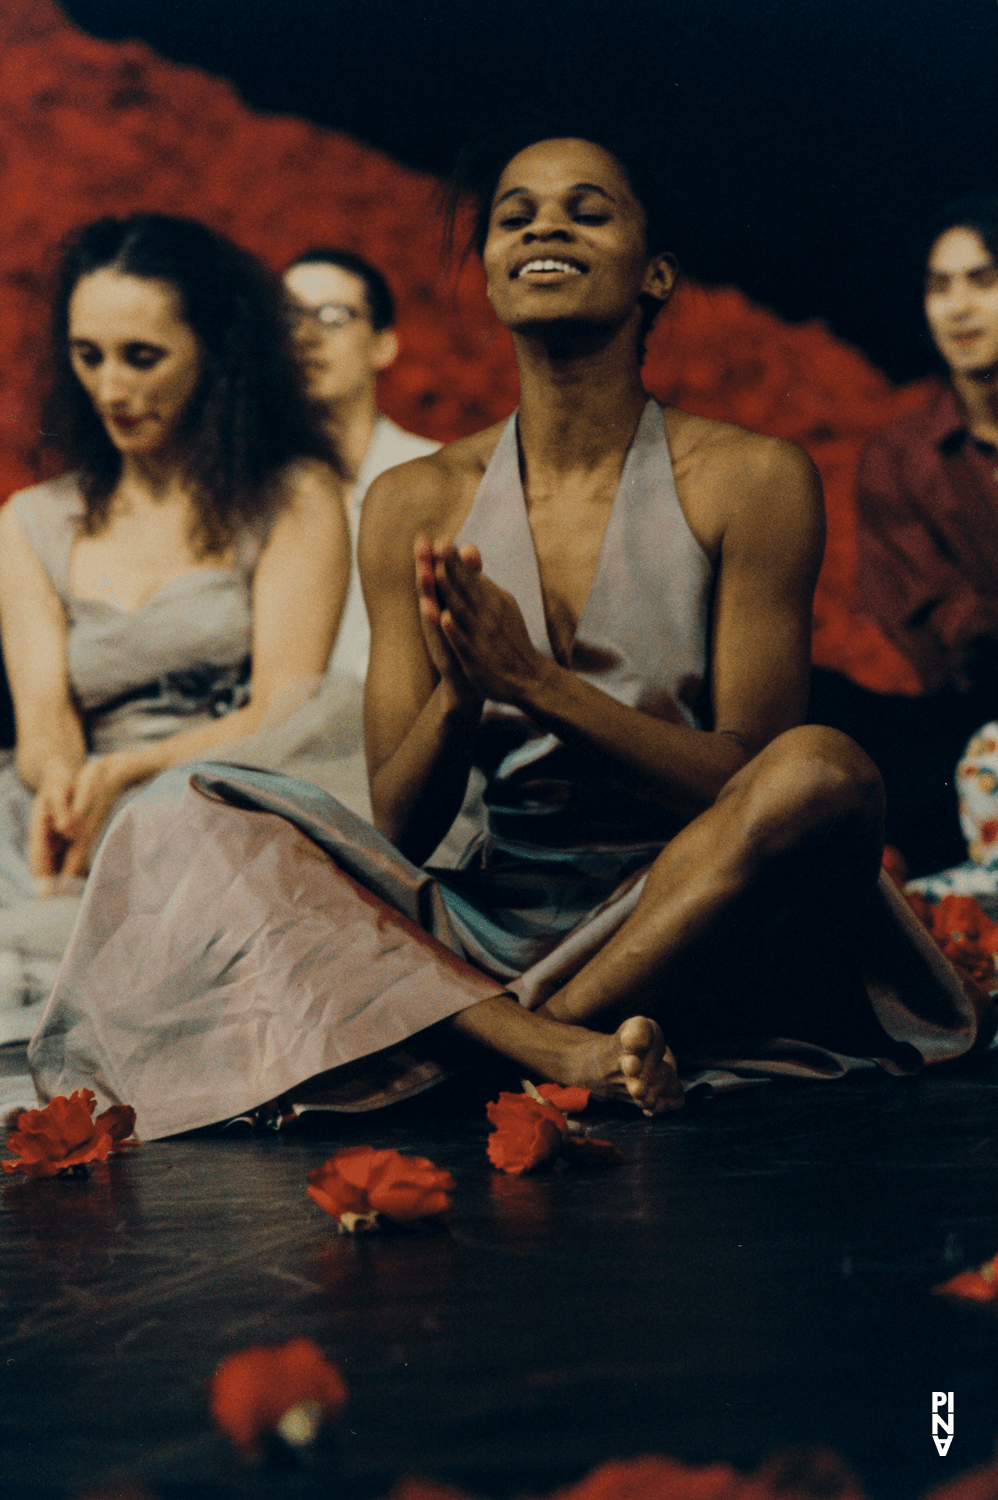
[648, 1066]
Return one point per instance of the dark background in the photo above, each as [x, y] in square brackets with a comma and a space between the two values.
[808, 140]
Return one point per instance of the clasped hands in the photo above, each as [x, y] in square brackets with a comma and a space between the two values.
[473, 629]
[68, 814]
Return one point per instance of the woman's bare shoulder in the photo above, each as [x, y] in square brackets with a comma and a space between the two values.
[726, 474]
[434, 493]
[309, 482]
[707, 441]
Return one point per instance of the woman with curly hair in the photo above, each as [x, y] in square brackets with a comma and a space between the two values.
[169, 594]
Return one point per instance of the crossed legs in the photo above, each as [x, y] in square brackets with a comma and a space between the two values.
[805, 814]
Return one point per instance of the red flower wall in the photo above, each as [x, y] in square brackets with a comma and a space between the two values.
[88, 127]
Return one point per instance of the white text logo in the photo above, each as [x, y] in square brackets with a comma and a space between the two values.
[942, 1420]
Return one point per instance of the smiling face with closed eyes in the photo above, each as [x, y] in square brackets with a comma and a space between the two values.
[566, 242]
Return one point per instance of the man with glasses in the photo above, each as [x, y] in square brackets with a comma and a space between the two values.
[344, 315]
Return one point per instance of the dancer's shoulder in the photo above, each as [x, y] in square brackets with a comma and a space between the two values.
[728, 477]
[432, 494]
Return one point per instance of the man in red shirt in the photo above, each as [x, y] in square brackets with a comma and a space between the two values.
[927, 504]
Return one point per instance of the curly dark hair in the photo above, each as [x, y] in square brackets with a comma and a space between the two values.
[249, 415]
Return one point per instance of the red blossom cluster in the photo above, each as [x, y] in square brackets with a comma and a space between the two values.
[532, 1130]
[359, 1184]
[90, 127]
[967, 937]
[287, 1389]
[65, 1135]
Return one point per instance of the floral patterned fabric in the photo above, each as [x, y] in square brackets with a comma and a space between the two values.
[977, 800]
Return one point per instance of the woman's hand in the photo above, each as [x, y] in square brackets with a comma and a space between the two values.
[477, 624]
[97, 787]
[51, 819]
[69, 814]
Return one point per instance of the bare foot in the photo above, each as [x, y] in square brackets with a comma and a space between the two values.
[632, 1064]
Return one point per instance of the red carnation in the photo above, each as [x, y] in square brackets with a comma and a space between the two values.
[286, 1389]
[358, 1184]
[64, 1134]
[528, 1133]
[979, 1285]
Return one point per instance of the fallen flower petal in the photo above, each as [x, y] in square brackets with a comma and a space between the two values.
[527, 1133]
[979, 1285]
[571, 1100]
[119, 1121]
[408, 1187]
[334, 1185]
[359, 1183]
[971, 1286]
[65, 1135]
[287, 1389]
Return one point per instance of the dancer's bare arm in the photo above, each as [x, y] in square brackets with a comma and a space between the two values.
[420, 714]
[50, 741]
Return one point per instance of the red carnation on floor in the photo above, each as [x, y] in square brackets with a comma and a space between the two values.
[287, 1389]
[980, 1285]
[65, 1134]
[357, 1185]
[528, 1133]
[532, 1130]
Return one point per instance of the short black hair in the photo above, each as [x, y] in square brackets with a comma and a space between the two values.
[380, 302]
[249, 416]
[978, 213]
[487, 152]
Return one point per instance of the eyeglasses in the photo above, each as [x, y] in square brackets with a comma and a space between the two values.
[327, 314]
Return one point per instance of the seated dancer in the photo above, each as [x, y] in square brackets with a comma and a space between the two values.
[344, 315]
[583, 714]
[927, 500]
[162, 598]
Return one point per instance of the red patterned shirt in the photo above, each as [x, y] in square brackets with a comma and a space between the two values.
[927, 504]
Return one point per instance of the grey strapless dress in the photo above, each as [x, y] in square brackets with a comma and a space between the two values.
[181, 660]
[243, 933]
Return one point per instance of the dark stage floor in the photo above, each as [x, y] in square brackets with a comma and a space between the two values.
[756, 1274]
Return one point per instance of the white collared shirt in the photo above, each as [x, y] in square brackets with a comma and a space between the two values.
[389, 446]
